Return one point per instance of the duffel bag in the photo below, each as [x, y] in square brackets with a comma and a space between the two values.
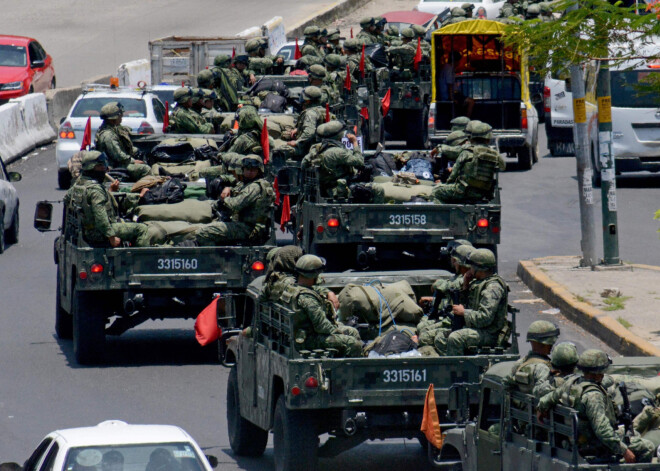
[192, 211]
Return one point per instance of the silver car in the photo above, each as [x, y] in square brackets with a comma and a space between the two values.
[8, 207]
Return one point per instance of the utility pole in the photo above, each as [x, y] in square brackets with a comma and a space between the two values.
[584, 170]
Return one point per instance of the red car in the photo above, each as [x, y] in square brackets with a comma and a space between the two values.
[24, 67]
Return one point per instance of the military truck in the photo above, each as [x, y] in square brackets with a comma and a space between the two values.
[384, 236]
[506, 434]
[126, 286]
[303, 395]
[490, 78]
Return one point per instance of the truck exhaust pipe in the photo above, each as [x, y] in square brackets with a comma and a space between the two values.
[134, 304]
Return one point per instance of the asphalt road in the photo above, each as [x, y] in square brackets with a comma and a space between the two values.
[158, 374]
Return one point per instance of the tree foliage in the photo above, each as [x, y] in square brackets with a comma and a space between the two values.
[582, 32]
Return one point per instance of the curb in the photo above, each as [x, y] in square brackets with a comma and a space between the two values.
[594, 320]
[326, 15]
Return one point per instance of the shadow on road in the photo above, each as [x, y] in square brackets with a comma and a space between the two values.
[638, 180]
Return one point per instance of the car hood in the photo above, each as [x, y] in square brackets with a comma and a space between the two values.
[12, 74]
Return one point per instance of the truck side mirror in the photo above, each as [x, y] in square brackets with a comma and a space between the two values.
[288, 180]
[43, 215]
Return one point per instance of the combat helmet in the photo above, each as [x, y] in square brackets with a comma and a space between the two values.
[197, 94]
[312, 94]
[479, 130]
[92, 158]
[252, 161]
[456, 138]
[419, 30]
[331, 130]
[458, 12]
[221, 60]
[310, 266]
[392, 30]
[241, 59]
[533, 11]
[182, 94]
[311, 31]
[543, 332]
[254, 45]
[462, 254]
[112, 110]
[205, 79]
[334, 34]
[248, 119]
[332, 60]
[366, 22]
[482, 259]
[209, 94]
[317, 71]
[594, 361]
[407, 33]
[352, 45]
[467, 6]
[452, 245]
[564, 355]
[459, 123]
[232, 161]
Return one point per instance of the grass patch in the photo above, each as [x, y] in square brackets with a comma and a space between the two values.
[615, 303]
[582, 299]
[624, 322]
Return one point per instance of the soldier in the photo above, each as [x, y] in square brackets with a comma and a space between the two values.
[597, 423]
[485, 313]
[115, 140]
[317, 77]
[209, 112]
[367, 35]
[222, 81]
[392, 35]
[281, 271]
[250, 209]
[449, 151]
[244, 77]
[403, 56]
[563, 361]
[336, 74]
[250, 125]
[335, 162]
[353, 49]
[313, 319]
[223, 65]
[259, 63]
[472, 178]
[420, 33]
[459, 123]
[380, 23]
[100, 211]
[534, 368]
[311, 45]
[468, 8]
[332, 46]
[186, 121]
[313, 115]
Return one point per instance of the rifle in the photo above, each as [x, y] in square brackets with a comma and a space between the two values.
[457, 322]
[626, 415]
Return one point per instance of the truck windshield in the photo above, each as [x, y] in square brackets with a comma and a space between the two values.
[12, 56]
[635, 89]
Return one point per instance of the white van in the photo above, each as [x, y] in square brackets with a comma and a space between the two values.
[558, 107]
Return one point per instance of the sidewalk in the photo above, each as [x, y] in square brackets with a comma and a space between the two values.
[620, 305]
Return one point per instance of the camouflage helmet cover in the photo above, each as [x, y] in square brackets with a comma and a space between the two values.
[419, 30]
[221, 60]
[242, 59]
[255, 44]
[456, 138]
[330, 129]
[467, 6]
[479, 130]
[533, 11]
[332, 60]
[407, 33]
[112, 110]
[352, 44]
[564, 354]
[205, 78]
[334, 34]
[311, 31]
[594, 361]
[252, 161]
[91, 158]
[462, 253]
[310, 266]
[543, 332]
[367, 21]
[182, 94]
[317, 71]
[248, 119]
[459, 123]
[457, 12]
[482, 259]
[312, 93]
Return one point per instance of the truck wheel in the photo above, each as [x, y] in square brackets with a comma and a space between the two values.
[245, 438]
[295, 439]
[12, 233]
[417, 129]
[88, 328]
[63, 320]
[64, 179]
[525, 158]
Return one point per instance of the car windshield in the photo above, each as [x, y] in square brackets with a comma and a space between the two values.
[91, 106]
[13, 56]
[151, 457]
[635, 88]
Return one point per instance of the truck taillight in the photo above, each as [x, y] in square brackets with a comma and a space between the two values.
[96, 268]
[523, 113]
[258, 266]
[311, 383]
[431, 121]
[66, 131]
[145, 128]
[82, 275]
[496, 229]
[483, 222]
[546, 99]
[320, 228]
[333, 223]
[295, 390]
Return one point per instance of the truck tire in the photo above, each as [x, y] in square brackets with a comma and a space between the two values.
[525, 158]
[63, 320]
[11, 235]
[245, 438]
[64, 179]
[295, 439]
[417, 129]
[88, 328]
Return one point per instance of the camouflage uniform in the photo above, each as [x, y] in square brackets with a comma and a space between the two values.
[310, 47]
[365, 36]
[354, 48]
[222, 70]
[248, 139]
[562, 363]
[329, 93]
[403, 56]
[311, 118]
[334, 161]
[189, 122]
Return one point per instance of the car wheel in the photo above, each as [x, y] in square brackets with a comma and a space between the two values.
[53, 84]
[2, 231]
[63, 320]
[525, 158]
[295, 439]
[31, 90]
[11, 235]
[88, 328]
[245, 438]
[64, 178]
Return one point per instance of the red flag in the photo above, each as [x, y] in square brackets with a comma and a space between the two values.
[286, 212]
[166, 118]
[385, 102]
[233, 53]
[87, 135]
[351, 33]
[327, 112]
[347, 81]
[297, 54]
[362, 63]
[265, 143]
[418, 54]
[364, 112]
[430, 420]
[206, 325]
[276, 187]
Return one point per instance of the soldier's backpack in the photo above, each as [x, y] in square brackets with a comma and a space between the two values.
[183, 149]
[393, 342]
[421, 167]
[189, 210]
[169, 192]
[481, 169]
[380, 303]
[383, 165]
[273, 103]
[270, 85]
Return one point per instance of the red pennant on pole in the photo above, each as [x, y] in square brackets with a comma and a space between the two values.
[87, 135]
[166, 118]
[351, 33]
[265, 143]
[362, 62]
[347, 81]
[233, 53]
[364, 112]
[297, 54]
[206, 324]
[286, 212]
[276, 187]
[327, 112]
[385, 102]
[418, 54]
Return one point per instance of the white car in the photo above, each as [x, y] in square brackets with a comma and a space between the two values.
[143, 113]
[8, 207]
[114, 445]
[487, 9]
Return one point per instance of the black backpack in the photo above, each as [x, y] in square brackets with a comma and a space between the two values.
[168, 192]
[383, 165]
[394, 342]
[274, 103]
